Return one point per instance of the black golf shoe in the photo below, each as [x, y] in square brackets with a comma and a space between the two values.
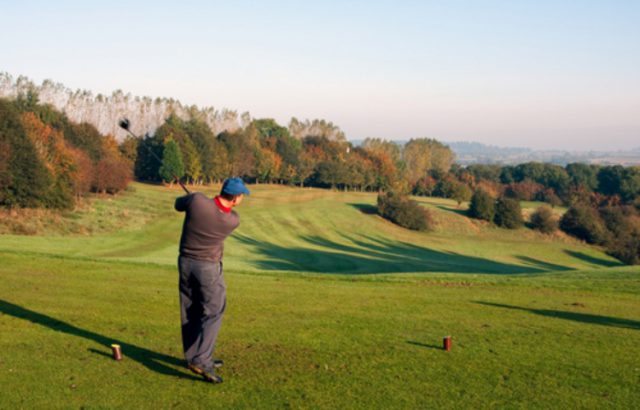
[207, 374]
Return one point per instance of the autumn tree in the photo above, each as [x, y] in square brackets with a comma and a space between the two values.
[129, 148]
[306, 165]
[268, 164]
[82, 174]
[424, 154]
[385, 158]
[241, 147]
[54, 153]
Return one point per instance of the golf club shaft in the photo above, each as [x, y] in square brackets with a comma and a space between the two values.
[159, 160]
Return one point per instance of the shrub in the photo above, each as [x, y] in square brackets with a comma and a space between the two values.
[626, 247]
[584, 223]
[624, 225]
[482, 206]
[82, 174]
[508, 213]
[112, 175]
[404, 212]
[543, 220]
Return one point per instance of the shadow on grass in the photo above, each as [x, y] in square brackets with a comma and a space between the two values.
[412, 342]
[592, 260]
[366, 208]
[459, 211]
[542, 264]
[372, 255]
[157, 362]
[574, 316]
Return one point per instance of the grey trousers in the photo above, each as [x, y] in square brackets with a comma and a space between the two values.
[202, 303]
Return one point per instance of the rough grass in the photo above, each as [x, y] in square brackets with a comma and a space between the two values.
[329, 306]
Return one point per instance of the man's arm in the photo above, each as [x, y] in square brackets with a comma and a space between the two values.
[183, 202]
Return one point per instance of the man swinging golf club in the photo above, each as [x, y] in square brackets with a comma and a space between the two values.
[202, 289]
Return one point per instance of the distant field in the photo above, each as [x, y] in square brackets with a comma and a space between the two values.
[329, 306]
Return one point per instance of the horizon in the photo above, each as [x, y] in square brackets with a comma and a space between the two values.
[542, 76]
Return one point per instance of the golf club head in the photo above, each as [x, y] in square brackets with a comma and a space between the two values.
[124, 123]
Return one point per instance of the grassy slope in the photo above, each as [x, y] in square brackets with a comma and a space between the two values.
[536, 321]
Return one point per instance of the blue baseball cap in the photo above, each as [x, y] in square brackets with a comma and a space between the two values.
[234, 186]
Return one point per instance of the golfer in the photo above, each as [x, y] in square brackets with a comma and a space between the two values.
[202, 290]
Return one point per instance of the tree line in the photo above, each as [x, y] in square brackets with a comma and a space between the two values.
[266, 152]
[46, 160]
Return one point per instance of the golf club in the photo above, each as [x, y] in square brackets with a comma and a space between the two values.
[124, 124]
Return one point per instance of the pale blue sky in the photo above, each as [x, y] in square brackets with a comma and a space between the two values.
[542, 74]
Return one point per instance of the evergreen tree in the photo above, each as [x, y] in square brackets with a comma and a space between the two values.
[172, 167]
[147, 165]
[26, 181]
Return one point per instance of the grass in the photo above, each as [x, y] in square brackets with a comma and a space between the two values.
[329, 306]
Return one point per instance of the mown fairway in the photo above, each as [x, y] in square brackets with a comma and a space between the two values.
[329, 306]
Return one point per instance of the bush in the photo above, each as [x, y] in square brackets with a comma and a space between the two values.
[508, 213]
[404, 212]
[112, 175]
[626, 248]
[482, 206]
[543, 220]
[624, 225]
[584, 223]
[617, 219]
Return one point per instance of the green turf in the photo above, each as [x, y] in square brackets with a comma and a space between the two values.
[329, 306]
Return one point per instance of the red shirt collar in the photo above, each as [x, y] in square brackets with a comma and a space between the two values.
[220, 206]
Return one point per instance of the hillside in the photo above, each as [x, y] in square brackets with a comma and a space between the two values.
[307, 230]
[329, 306]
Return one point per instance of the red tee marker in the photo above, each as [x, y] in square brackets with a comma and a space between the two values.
[446, 343]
